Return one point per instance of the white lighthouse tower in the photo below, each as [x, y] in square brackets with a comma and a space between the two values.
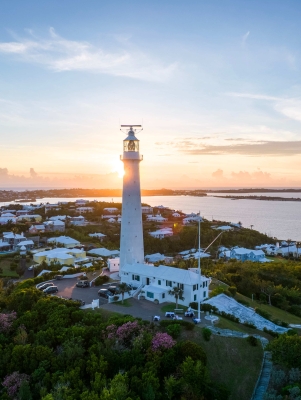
[131, 238]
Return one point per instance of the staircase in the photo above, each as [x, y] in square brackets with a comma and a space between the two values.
[264, 377]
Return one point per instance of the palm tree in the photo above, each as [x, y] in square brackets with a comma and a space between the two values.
[124, 288]
[177, 293]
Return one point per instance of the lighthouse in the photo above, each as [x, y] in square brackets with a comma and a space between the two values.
[131, 237]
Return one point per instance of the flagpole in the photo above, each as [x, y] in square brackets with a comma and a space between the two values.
[199, 270]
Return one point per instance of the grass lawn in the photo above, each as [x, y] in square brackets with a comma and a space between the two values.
[172, 307]
[276, 313]
[5, 265]
[278, 259]
[126, 303]
[231, 361]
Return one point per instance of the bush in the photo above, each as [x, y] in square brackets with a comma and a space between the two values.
[272, 333]
[244, 303]
[100, 280]
[232, 290]
[209, 307]
[252, 340]
[193, 350]
[249, 325]
[174, 330]
[229, 316]
[206, 332]
[189, 326]
[263, 313]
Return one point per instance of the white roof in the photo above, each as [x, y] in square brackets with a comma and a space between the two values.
[102, 251]
[25, 243]
[11, 235]
[99, 235]
[62, 256]
[176, 275]
[63, 240]
[63, 269]
[7, 214]
[223, 228]
[37, 227]
[44, 272]
[242, 250]
[56, 217]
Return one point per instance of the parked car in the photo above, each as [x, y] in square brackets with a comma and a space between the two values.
[169, 314]
[189, 314]
[113, 289]
[51, 289]
[45, 285]
[30, 268]
[105, 293]
[83, 284]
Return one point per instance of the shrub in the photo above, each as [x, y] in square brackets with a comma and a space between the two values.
[232, 290]
[100, 280]
[249, 325]
[244, 303]
[263, 313]
[193, 350]
[206, 332]
[208, 307]
[252, 340]
[272, 333]
[174, 330]
[189, 326]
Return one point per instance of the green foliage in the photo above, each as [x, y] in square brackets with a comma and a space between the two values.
[100, 280]
[252, 340]
[189, 326]
[286, 351]
[263, 313]
[174, 330]
[206, 332]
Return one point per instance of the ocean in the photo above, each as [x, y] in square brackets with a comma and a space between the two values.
[280, 219]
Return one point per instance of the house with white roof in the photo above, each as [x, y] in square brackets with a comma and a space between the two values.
[77, 221]
[242, 254]
[156, 218]
[28, 244]
[156, 282]
[191, 219]
[103, 252]
[37, 229]
[153, 258]
[161, 233]
[5, 220]
[98, 235]
[30, 217]
[111, 210]
[54, 226]
[56, 217]
[65, 241]
[84, 209]
[111, 220]
[13, 239]
[7, 214]
[113, 264]
[81, 202]
[146, 210]
[223, 228]
[60, 256]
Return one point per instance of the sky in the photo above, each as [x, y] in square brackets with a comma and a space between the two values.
[215, 84]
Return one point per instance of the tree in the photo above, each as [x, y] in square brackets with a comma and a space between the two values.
[177, 293]
[268, 289]
[124, 288]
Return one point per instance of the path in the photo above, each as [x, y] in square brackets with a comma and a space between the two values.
[264, 378]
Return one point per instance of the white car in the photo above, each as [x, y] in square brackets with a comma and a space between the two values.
[177, 317]
[30, 268]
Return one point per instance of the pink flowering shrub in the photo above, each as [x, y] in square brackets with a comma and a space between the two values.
[111, 331]
[13, 382]
[6, 321]
[162, 341]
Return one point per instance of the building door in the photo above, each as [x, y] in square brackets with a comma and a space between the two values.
[147, 281]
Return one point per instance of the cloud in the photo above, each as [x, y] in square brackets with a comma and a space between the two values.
[290, 107]
[218, 173]
[59, 54]
[33, 173]
[245, 37]
[255, 148]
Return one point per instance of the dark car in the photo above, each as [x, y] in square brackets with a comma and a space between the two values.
[45, 285]
[105, 293]
[113, 289]
[51, 289]
[189, 314]
[58, 277]
[83, 284]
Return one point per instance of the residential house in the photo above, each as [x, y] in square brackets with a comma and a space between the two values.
[28, 244]
[111, 210]
[13, 239]
[5, 220]
[78, 221]
[146, 210]
[30, 217]
[60, 256]
[103, 252]
[64, 241]
[156, 282]
[54, 226]
[223, 228]
[37, 229]
[156, 218]
[161, 233]
[99, 236]
[113, 264]
[84, 209]
[242, 254]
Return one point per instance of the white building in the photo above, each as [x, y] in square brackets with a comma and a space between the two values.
[99, 236]
[77, 221]
[162, 233]
[156, 218]
[84, 209]
[156, 282]
[113, 264]
[65, 241]
[103, 252]
[131, 237]
[146, 209]
[111, 210]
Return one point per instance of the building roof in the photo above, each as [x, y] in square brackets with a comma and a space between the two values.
[63, 240]
[25, 243]
[173, 274]
[11, 235]
[102, 251]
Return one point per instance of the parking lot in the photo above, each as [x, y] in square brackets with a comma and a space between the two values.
[67, 289]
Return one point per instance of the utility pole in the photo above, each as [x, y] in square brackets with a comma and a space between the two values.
[199, 270]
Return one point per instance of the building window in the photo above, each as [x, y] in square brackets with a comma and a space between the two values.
[169, 283]
[180, 286]
[203, 284]
[195, 287]
[150, 295]
[136, 277]
[163, 295]
[204, 294]
[194, 297]
[159, 281]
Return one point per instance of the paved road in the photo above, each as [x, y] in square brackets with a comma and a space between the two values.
[67, 289]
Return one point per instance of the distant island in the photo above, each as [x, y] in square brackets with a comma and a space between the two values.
[266, 198]
[32, 195]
